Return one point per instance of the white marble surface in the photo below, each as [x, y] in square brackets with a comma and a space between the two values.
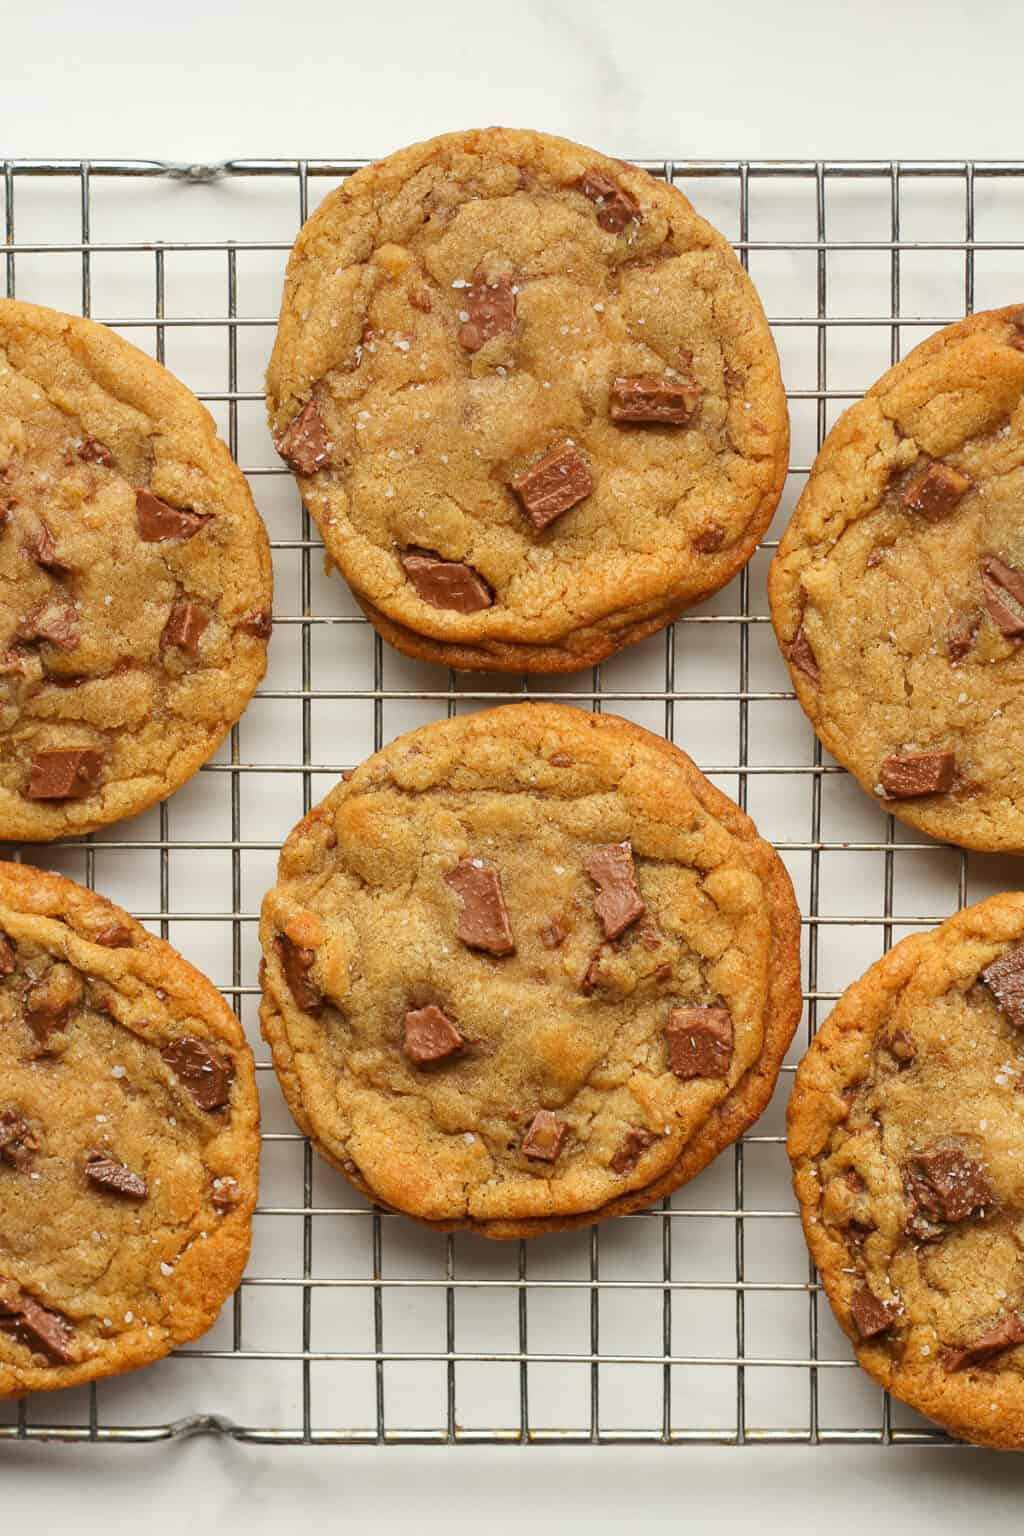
[197, 81]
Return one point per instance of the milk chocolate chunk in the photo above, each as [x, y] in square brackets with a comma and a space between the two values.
[483, 921]
[49, 1001]
[92, 451]
[709, 539]
[618, 901]
[303, 443]
[65, 773]
[206, 1076]
[430, 1036]
[54, 619]
[544, 1138]
[118, 1177]
[653, 398]
[297, 962]
[1006, 1334]
[491, 310]
[700, 1041]
[1003, 586]
[39, 1329]
[961, 634]
[185, 626]
[43, 550]
[8, 955]
[446, 583]
[1004, 978]
[800, 655]
[935, 491]
[943, 1183]
[259, 623]
[870, 1316]
[906, 774]
[160, 523]
[615, 206]
[225, 1192]
[17, 1142]
[553, 484]
[631, 1148]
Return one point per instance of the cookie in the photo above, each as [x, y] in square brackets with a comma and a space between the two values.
[907, 1138]
[129, 1140]
[897, 592]
[531, 399]
[135, 579]
[527, 969]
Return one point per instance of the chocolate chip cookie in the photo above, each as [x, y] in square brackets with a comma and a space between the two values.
[129, 1140]
[531, 399]
[906, 1131]
[897, 592]
[527, 969]
[135, 579]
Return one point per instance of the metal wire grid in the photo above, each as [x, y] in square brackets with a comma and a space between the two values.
[453, 1268]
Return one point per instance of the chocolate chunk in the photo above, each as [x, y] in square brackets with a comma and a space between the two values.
[206, 1076]
[916, 773]
[633, 1145]
[554, 932]
[48, 1003]
[185, 626]
[544, 1138]
[8, 955]
[935, 491]
[618, 902]
[160, 523]
[259, 623]
[709, 539]
[800, 654]
[65, 773]
[36, 1327]
[114, 935]
[297, 963]
[961, 634]
[648, 397]
[92, 451]
[43, 550]
[225, 1192]
[17, 1143]
[491, 308]
[591, 978]
[110, 1174]
[1006, 1334]
[553, 484]
[483, 921]
[54, 619]
[303, 443]
[943, 1183]
[700, 1041]
[420, 299]
[430, 1036]
[1003, 586]
[446, 583]
[615, 206]
[1004, 978]
[560, 760]
[871, 1316]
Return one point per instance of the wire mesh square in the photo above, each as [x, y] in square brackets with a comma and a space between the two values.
[696, 1322]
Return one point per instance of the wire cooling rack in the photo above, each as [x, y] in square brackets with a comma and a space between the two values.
[700, 1321]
